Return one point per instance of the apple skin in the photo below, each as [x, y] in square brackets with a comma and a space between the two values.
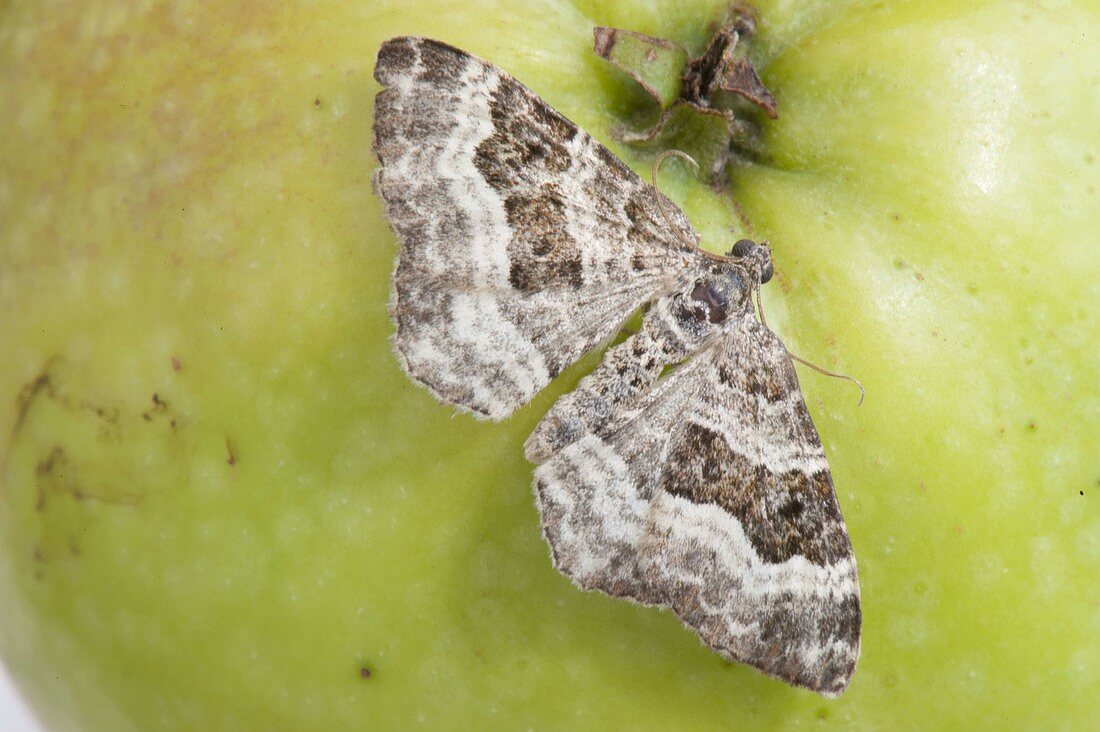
[221, 500]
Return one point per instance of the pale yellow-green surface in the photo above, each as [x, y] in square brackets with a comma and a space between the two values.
[220, 499]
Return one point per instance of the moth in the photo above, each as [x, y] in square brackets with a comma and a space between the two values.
[684, 471]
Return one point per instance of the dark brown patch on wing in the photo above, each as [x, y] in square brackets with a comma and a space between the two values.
[783, 514]
[542, 252]
[760, 378]
[441, 64]
[396, 56]
[765, 385]
[529, 139]
[639, 232]
[839, 622]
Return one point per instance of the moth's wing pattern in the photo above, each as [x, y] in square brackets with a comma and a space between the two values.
[711, 495]
[524, 242]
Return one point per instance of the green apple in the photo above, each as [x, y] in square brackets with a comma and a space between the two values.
[223, 506]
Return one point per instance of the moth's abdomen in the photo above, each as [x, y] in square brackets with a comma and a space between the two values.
[671, 331]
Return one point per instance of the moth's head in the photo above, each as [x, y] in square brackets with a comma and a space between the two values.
[756, 258]
[729, 283]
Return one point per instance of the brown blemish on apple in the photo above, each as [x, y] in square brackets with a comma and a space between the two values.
[364, 672]
[44, 469]
[55, 479]
[232, 459]
[56, 484]
[176, 363]
[159, 407]
[54, 475]
[30, 391]
[784, 283]
[739, 212]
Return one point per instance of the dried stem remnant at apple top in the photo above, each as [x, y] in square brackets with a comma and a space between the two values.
[697, 97]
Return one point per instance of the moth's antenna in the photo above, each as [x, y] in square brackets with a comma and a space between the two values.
[804, 362]
[662, 202]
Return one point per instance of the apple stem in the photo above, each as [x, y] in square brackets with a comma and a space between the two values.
[695, 95]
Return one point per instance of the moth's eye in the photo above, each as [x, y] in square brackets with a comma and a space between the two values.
[769, 270]
[742, 248]
[715, 301]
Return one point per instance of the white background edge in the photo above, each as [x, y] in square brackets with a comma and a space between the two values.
[14, 714]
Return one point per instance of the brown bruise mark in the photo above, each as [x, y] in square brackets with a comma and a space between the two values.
[58, 492]
[365, 673]
[30, 391]
[159, 407]
[49, 467]
[54, 475]
[231, 459]
[45, 468]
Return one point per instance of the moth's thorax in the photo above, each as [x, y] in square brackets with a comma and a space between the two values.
[713, 296]
[726, 284]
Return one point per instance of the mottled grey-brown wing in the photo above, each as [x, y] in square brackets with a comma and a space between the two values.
[711, 495]
[524, 242]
